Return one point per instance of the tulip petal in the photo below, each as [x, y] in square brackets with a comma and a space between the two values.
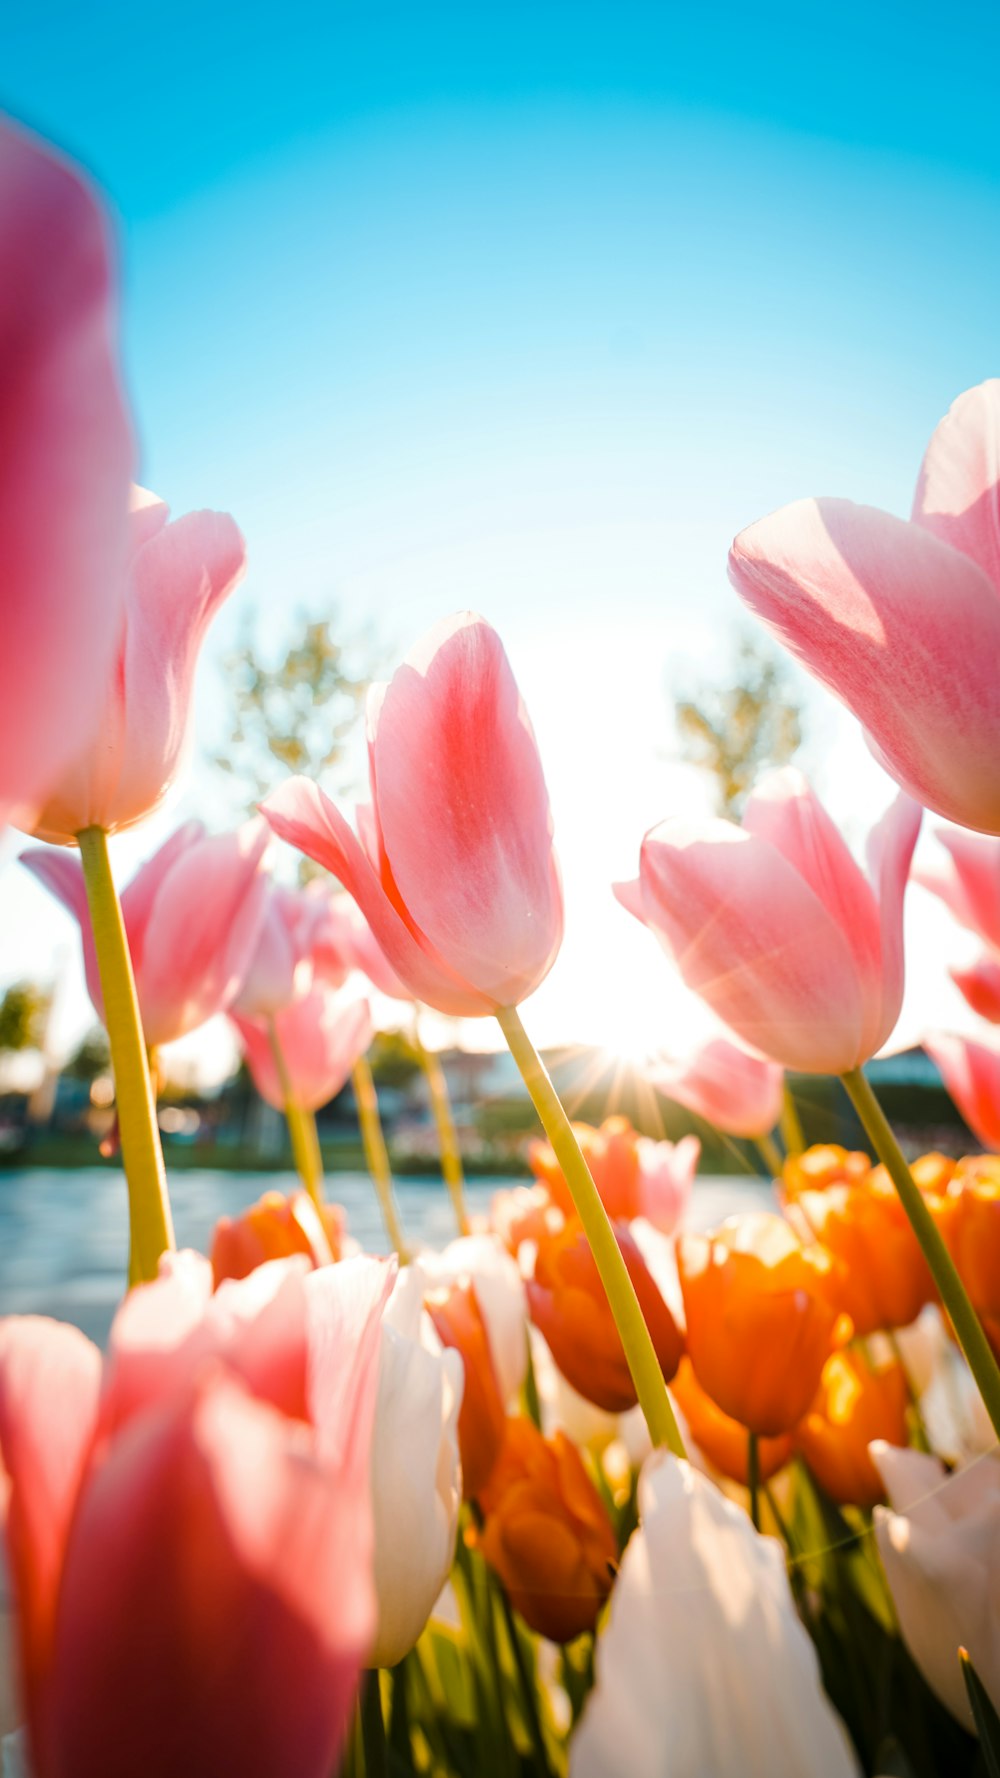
[958, 493]
[300, 813]
[158, 1337]
[62, 875]
[180, 578]
[971, 888]
[785, 810]
[980, 984]
[630, 896]
[139, 896]
[345, 1304]
[749, 936]
[704, 1666]
[890, 854]
[416, 1487]
[49, 1386]
[719, 1081]
[215, 1572]
[206, 920]
[971, 1073]
[65, 455]
[464, 813]
[902, 627]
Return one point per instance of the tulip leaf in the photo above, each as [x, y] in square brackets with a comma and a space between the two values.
[984, 1714]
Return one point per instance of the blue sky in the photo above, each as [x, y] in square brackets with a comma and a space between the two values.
[531, 308]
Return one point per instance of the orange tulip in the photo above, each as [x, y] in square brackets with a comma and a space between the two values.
[971, 1227]
[723, 1441]
[455, 1312]
[633, 1175]
[547, 1533]
[821, 1166]
[761, 1321]
[611, 1154]
[883, 1279]
[274, 1228]
[933, 1172]
[569, 1306]
[854, 1405]
[524, 1213]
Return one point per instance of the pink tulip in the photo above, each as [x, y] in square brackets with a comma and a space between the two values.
[190, 1533]
[980, 984]
[902, 619]
[455, 870]
[665, 1180]
[321, 1036]
[969, 883]
[192, 916]
[737, 1092]
[65, 458]
[343, 940]
[179, 576]
[778, 929]
[284, 961]
[970, 1070]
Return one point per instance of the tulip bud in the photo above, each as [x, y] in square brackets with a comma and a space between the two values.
[821, 1166]
[703, 1666]
[854, 1405]
[882, 1279]
[453, 865]
[775, 926]
[760, 1319]
[633, 1175]
[547, 1533]
[939, 1544]
[274, 1228]
[569, 1305]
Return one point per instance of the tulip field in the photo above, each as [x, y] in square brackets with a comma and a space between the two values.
[588, 1488]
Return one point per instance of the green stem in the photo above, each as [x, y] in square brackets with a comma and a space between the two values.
[790, 1125]
[302, 1130]
[451, 1154]
[964, 1320]
[753, 1478]
[768, 1150]
[527, 1686]
[373, 1725]
[376, 1154]
[150, 1227]
[632, 1330]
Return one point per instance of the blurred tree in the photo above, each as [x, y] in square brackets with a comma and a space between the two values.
[737, 729]
[24, 1012]
[93, 1057]
[394, 1061]
[299, 714]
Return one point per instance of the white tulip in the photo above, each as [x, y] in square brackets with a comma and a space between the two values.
[940, 1546]
[415, 1470]
[483, 1261]
[704, 1666]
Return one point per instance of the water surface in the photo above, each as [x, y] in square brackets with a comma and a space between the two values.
[64, 1232]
